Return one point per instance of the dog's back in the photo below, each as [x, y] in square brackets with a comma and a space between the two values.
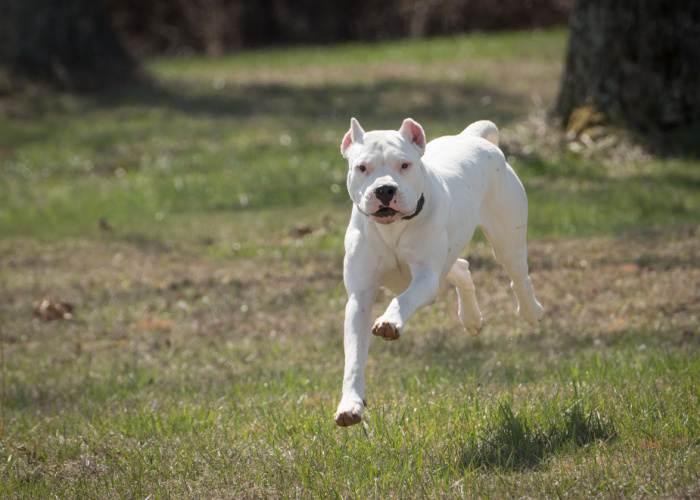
[472, 154]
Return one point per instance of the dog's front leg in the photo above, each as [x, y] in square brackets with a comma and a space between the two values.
[358, 321]
[421, 292]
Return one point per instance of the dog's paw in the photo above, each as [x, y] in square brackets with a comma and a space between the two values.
[473, 328]
[387, 330]
[532, 315]
[349, 412]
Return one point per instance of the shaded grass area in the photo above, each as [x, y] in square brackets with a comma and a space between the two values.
[197, 227]
[512, 442]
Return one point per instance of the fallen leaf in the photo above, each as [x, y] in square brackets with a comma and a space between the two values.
[48, 310]
[151, 323]
[301, 230]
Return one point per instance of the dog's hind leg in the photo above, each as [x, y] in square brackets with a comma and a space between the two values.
[505, 227]
[510, 250]
[469, 313]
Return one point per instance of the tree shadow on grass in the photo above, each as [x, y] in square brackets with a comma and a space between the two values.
[513, 443]
[382, 102]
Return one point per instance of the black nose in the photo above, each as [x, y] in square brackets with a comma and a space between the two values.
[385, 193]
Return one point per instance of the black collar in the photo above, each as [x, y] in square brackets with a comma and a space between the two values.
[419, 207]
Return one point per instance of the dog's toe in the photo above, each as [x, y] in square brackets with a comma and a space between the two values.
[346, 419]
[349, 412]
[474, 330]
[386, 330]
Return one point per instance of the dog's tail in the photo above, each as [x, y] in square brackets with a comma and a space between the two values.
[484, 129]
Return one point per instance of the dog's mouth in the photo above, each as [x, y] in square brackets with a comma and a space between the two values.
[384, 212]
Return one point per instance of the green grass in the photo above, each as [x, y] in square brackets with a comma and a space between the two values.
[249, 415]
[204, 358]
[219, 136]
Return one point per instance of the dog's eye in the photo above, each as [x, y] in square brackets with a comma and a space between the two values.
[404, 166]
[362, 168]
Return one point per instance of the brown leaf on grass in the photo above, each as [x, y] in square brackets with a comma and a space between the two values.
[104, 225]
[617, 324]
[301, 230]
[629, 268]
[49, 310]
[151, 323]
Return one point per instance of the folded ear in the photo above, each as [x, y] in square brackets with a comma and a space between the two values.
[354, 135]
[413, 133]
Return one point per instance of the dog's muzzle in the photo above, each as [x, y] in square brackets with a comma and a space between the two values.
[390, 212]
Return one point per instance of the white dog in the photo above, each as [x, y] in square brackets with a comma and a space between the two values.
[415, 209]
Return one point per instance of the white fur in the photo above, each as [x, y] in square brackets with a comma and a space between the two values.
[466, 183]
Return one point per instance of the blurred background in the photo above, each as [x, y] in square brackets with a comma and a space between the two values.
[636, 62]
[214, 27]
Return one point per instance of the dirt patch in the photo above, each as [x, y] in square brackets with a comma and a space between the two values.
[122, 294]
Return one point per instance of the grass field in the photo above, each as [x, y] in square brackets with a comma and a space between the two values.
[196, 228]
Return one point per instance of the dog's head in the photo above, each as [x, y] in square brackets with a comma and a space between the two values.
[386, 176]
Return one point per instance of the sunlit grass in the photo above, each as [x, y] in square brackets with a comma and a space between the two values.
[506, 47]
[446, 415]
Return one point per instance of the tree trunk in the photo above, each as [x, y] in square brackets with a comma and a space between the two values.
[636, 61]
[67, 43]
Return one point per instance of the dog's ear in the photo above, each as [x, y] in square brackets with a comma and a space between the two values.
[413, 133]
[354, 135]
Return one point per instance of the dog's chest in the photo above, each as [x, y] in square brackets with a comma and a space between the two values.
[394, 254]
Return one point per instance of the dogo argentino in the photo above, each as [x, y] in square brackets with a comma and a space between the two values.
[416, 207]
